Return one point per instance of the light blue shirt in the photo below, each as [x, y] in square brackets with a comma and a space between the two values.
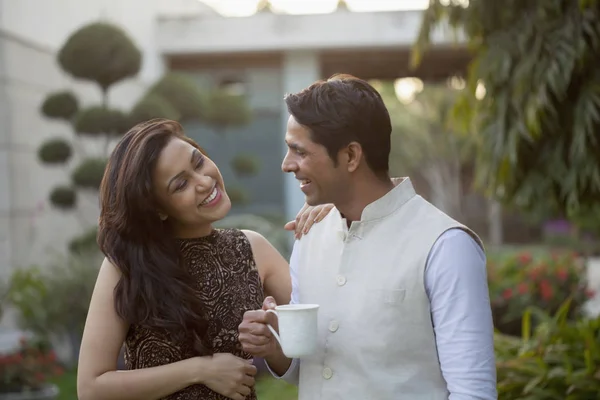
[456, 284]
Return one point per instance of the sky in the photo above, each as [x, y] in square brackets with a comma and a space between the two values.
[240, 8]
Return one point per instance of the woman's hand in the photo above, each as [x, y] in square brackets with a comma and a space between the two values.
[306, 217]
[230, 376]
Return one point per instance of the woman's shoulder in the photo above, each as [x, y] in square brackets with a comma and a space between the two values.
[256, 239]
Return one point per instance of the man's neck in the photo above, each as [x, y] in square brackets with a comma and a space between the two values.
[364, 193]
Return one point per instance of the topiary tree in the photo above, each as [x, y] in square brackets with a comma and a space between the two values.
[103, 54]
[55, 151]
[60, 105]
[245, 165]
[183, 95]
[152, 106]
[226, 110]
[63, 197]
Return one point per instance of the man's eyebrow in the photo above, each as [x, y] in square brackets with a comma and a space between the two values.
[294, 146]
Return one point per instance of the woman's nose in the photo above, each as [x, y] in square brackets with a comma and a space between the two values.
[204, 183]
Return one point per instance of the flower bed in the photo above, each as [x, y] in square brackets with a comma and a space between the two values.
[545, 282]
[24, 373]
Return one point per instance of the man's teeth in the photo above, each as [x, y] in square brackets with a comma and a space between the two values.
[304, 182]
[210, 198]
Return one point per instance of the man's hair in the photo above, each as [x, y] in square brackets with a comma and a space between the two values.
[345, 109]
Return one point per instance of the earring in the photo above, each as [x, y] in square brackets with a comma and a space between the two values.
[162, 217]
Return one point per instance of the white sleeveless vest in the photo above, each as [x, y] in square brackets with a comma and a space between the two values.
[376, 339]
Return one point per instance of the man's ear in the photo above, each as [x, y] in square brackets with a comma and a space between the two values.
[354, 156]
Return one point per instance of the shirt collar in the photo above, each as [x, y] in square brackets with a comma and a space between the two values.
[387, 204]
[390, 202]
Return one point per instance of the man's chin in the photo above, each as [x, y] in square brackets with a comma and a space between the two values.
[313, 201]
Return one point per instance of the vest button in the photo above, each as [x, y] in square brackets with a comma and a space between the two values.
[341, 280]
[334, 325]
[327, 373]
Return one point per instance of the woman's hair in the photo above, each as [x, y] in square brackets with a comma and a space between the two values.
[155, 288]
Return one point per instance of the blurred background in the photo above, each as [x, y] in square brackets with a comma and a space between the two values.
[496, 115]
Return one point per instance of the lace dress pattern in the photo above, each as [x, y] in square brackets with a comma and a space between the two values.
[223, 270]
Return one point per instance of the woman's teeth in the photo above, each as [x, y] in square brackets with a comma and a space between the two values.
[210, 198]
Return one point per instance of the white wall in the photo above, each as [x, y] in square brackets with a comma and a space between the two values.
[49, 22]
[280, 32]
[31, 31]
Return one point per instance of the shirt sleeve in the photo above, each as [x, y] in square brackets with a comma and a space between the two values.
[294, 274]
[292, 375]
[456, 283]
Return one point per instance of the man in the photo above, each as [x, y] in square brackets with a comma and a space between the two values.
[402, 288]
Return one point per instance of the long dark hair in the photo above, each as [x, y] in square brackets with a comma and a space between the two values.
[155, 289]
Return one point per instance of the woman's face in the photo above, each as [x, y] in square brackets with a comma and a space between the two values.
[189, 189]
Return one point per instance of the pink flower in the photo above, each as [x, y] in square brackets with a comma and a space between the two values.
[546, 290]
[562, 274]
[525, 258]
[523, 288]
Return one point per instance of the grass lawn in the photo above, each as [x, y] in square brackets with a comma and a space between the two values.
[67, 383]
[267, 388]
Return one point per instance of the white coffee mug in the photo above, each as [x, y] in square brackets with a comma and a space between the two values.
[297, 329]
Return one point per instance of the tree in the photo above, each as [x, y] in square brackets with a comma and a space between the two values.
[183, 95]
[245, 165]
[539, 119]
[424, 140]
[101, 53]
[227, 110]
[104, 54]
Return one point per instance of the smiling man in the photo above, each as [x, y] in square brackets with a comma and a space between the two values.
[402, 287]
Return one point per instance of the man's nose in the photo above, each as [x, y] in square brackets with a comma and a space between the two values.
[288, 165]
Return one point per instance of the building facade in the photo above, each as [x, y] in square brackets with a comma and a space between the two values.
[265, 55]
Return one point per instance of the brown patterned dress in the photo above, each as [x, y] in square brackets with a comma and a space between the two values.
[222, 265]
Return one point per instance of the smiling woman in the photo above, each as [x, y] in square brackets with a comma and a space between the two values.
[192, 200]
[172, 288]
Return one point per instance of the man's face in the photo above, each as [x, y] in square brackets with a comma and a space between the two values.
[320, 180]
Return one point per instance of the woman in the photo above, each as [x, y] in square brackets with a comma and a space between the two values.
[171, 287]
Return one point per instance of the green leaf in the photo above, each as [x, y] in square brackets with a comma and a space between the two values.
[537, 125]
[532, 384]
[526, 325]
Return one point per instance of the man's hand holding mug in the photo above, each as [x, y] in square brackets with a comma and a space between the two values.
[290, 333]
